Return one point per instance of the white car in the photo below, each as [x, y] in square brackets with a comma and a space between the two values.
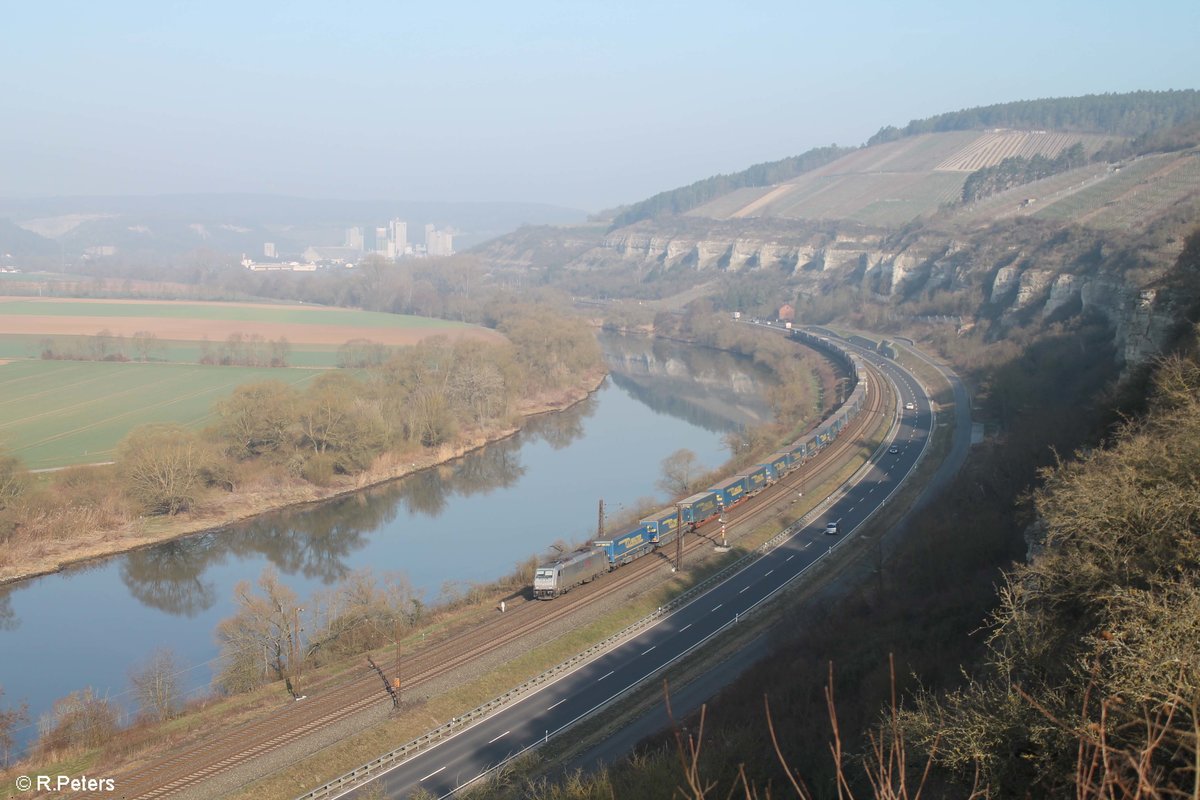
[832, 528]
[910, 406]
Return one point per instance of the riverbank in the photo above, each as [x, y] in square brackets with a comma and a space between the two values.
[25, 560]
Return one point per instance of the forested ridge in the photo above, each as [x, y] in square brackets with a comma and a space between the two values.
[1129, 115]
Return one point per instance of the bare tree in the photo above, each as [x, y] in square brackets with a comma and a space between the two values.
[156, 684]
[81, 719]
[162, 466]
[681, 470]
[10, 719]
[263, 639]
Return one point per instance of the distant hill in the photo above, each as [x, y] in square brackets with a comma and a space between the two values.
[236, 223]
[920, 170]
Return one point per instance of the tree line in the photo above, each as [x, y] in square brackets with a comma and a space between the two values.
[1129, 114]
[1018, 170]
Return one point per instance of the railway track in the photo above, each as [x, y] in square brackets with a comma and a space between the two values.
[361, 688]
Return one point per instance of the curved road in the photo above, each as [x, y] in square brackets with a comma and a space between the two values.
[530, 721]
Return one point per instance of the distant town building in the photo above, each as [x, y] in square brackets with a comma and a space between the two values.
[438, 243]
[398, 236]
[354, 239]
[278, 266]
[334, 256]
[269, 250]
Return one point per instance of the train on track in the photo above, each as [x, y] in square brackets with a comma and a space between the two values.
[663, 526]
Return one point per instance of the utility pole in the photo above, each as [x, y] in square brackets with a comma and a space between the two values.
[678, 537]
[299, 660]
[600, 521]
[396, 680]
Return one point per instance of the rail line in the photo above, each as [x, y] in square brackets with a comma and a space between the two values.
[358, 689]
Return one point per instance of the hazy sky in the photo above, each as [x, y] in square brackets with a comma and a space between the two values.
[579, 104]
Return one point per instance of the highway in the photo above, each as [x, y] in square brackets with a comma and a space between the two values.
[467, 756]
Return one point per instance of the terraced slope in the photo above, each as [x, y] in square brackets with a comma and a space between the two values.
[892, 183]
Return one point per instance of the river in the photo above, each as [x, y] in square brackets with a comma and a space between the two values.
[470, 521]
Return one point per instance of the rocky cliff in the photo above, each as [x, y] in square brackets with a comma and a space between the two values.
[1015, 270]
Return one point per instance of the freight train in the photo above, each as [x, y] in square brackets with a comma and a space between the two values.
[660, 528]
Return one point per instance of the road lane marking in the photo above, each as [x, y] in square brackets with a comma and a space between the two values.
[498, 738]
[789, 558]
[718, 606]
[744, 590]
[556, 705]
[430, 775]
[806, 544]
[651, 648]
[605, 675]
[768, 573]
[685, 627]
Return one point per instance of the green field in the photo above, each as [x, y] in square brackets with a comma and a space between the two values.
[56, 413]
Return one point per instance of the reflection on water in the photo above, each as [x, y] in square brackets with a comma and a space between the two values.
[8, 619]
[715, 390]
[316, 541]
[465, 522]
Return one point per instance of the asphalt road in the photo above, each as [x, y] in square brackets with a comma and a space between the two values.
[549, 711]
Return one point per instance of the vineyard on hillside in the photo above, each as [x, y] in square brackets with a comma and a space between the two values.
[993, 147]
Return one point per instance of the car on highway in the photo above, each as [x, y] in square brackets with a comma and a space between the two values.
[893, 450]
[910, 406]
[833, 528]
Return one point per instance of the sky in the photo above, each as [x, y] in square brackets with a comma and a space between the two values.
[580, 104]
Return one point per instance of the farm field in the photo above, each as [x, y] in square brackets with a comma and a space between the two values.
[184, 321]
[57, 413]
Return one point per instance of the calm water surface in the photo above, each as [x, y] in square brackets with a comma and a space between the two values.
[466, 522]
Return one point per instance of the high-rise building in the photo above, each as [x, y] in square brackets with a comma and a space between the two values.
[269, 250]
[438, 243]
[398, 234]
[354, 239]
[383, 243]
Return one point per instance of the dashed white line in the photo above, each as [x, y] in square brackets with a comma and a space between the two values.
[556, 705]
[789, 558]
[806, 544]
[718, 606]
[605, 675]
[685, 627]
[744, 590]
[768, 573]
[651, 648]
[430, 775]
[498, 738]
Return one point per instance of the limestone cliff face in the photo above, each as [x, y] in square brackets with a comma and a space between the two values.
[1016, 273]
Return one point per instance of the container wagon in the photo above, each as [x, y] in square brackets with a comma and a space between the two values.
[561, 576]
[626, 547]
[777, 466]
[699, 507]
[730, 490]
[755, 479]
[661, 525]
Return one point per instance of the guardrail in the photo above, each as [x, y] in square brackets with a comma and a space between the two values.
[349, 780]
